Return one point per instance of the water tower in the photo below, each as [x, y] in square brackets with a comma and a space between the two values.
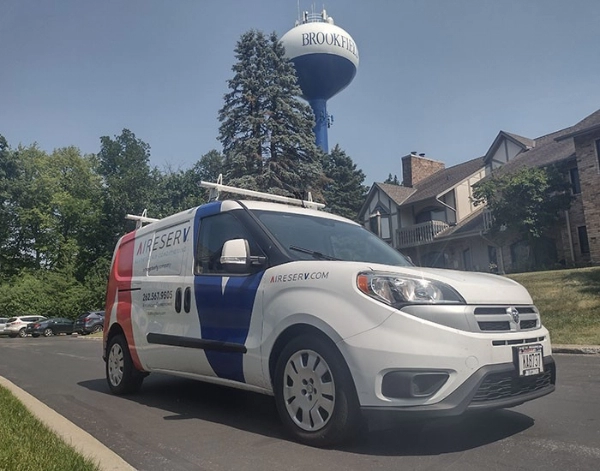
[326, 59]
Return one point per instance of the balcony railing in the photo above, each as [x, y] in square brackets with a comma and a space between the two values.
[420, 234]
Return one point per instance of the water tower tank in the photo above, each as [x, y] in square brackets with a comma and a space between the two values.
[326, 59]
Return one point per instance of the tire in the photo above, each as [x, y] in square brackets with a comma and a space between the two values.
[22, 333]
[315, 394]
[97, 328]
[121, 375]
[48, 332]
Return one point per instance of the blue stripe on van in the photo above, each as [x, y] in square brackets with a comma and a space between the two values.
[224, 314]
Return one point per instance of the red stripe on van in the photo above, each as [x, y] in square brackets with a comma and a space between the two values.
[120, 282]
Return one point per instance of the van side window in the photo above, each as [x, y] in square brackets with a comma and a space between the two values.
[214, 232]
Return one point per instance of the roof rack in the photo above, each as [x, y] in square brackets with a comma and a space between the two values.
[140, 220]
[216, 188]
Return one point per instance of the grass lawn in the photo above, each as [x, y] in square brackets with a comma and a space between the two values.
[28, 445]
[568, 301]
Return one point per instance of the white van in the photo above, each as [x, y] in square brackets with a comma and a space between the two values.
[314, 309]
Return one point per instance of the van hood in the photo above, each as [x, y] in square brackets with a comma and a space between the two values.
[474, 287]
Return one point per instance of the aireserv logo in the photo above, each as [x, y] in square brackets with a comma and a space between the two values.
[160, 241]
[316, 275]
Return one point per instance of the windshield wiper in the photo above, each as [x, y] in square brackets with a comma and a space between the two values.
[314, 253]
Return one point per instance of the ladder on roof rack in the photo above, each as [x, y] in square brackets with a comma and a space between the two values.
[216, 188]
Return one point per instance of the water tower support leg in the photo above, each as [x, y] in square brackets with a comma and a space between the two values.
[319, 107]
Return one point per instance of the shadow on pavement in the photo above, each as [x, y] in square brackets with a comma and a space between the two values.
[185, 399]
[439, 436]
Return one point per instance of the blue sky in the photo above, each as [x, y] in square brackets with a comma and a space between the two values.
[441, 77]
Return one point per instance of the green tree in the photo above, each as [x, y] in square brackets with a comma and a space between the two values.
[344, 193]
[50, 208]
[209, 167]
[128, 184]
[180, 190]
[57, 294]
[528, 202]
[10, 172]
[392, 180]
[32, 243]
[76, 205]
[266, 132]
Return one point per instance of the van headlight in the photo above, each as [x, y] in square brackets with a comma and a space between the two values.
[399, 290]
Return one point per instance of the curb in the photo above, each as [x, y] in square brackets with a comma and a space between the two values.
[80, 440]
[578, 349]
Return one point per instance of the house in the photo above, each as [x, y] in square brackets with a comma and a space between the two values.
[432, 219]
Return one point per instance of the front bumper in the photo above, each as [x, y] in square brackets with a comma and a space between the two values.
[419, 367]
[12, 330]
[490, 387]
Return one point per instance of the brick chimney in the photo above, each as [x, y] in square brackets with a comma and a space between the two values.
[415, 167]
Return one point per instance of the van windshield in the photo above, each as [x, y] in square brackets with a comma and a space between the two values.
[317, 238]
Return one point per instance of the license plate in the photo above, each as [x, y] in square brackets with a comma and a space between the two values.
[530, 360]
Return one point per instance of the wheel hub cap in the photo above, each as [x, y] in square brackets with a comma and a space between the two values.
[309, 390]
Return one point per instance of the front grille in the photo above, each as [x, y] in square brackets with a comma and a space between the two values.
[489, 310]
[487, 326]
[508, 384]
[529, 324]
[506, 318]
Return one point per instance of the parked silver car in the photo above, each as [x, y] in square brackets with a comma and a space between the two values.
[2, 325]
[17, 325]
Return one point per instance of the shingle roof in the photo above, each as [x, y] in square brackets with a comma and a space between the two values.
[397, 193]
[473, 223]
[445, 179]
[523, 140]
[544, 153]
[591, 122]
[552, 148]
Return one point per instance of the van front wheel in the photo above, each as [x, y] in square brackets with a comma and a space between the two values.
[121, 375]
[314, 392]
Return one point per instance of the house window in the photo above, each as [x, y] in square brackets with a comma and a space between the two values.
[584, 244]
[575, 185]
[379, 223]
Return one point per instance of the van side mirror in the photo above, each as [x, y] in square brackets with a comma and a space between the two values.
[235, 256]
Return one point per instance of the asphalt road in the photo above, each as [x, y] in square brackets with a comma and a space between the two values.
[177, 424]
